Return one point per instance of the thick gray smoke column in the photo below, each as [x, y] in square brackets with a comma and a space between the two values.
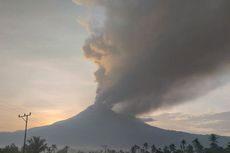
[158, 53]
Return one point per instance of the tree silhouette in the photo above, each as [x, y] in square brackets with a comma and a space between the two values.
[213, 141]
[183, 145]
[10, 149]
[36, 145]
[172, 147]
[197, 146]
[159, 150]
[189, 149]
[228, 145]
[145, 147]
[52, 148]
[138, 148]
[166, 149]
[134, 149]
[64, 150]
[153, 149]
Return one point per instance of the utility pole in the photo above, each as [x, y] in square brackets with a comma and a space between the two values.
[25, 118]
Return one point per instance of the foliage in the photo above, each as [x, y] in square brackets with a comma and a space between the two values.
[38, 145]
[64, 150]
[52, 148]
[10, 149]
[195, 147]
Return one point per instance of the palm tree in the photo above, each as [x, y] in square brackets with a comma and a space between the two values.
[64, 150]
[197, 146]
[153, 149]
[49, 150]
[52, 148]
[36, 145]
[134, 149]
[145, 147]
[138, 149]
[172, 147]
[10, 149]
[213, 141]
[189, 149]
[159, 150]
[183, 145]
[166, 149]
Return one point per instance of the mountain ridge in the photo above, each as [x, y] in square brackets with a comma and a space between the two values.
[98, 125]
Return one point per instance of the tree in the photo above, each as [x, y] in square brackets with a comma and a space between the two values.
[52, 148]
[172, 147]
[197, 146]
[138, 148]
[228, 145]
[64, 150]
[166, 149]
[153, 149]
[213, 141]
[36, 145]
[145, 145]
[134, 149]
[10, 149]
[183, 145]
[159, 150]
[189, 149]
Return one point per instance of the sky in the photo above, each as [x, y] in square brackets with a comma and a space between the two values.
[43, 70]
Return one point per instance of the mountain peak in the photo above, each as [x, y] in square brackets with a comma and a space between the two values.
[99, 125]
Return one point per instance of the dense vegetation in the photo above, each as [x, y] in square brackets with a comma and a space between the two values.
[195, 147]
[39, 145]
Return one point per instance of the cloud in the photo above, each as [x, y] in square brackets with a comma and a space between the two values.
[207, 123]
[85, 23]
[152, 54]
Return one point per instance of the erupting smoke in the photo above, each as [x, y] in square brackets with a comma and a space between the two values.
[158, 53]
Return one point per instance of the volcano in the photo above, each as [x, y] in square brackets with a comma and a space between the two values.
[98, 125]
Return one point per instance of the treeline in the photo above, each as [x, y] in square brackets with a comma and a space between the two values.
[34, 145]
[39, 145]
[195, 147]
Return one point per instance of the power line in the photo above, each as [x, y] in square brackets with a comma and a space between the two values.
[25, 118]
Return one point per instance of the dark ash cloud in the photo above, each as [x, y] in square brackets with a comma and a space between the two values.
[153, 53]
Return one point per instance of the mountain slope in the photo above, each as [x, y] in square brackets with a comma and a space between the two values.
[98, 125]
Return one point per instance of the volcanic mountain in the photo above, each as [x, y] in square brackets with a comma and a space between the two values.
[98, 125]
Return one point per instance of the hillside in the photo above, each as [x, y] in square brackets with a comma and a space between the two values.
[98, 125]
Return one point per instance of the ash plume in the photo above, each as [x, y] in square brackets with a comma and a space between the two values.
[158, 53]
